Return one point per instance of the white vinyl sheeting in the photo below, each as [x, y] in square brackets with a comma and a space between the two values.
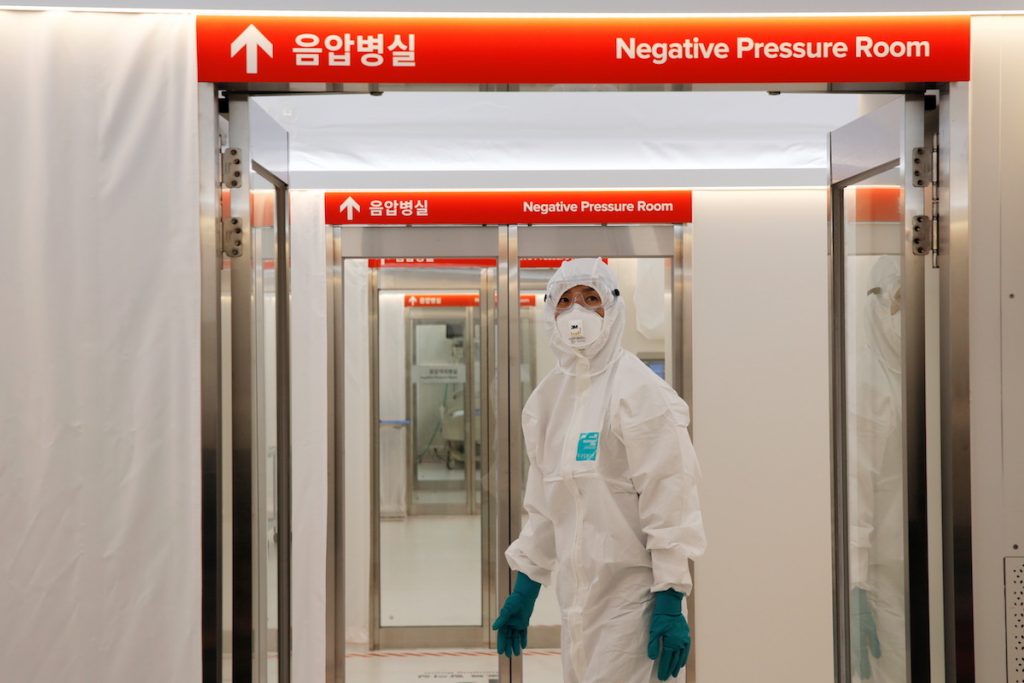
[552, 138]
[99, 351]
[309, 433]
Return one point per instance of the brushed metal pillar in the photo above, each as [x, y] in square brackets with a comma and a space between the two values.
[210, 388]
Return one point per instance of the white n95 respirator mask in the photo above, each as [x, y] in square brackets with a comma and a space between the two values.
[579, 326]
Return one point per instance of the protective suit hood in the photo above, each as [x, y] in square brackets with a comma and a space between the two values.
[883, 325]
[596, 357]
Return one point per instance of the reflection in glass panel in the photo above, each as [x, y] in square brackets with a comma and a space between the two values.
[645, 287]
[264, 253]
[430, 447]
[873, 233]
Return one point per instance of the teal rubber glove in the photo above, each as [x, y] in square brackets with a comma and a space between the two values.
[514, 617]
[670, 634]
[863, 633]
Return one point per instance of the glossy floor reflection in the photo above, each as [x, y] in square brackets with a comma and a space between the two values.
[431, 573]
[449, 666]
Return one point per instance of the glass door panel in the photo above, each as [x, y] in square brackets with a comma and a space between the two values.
[873, 240]
[431, 531]
[419, 331]
[645, 282]
[878, 194]
[445, 428]
[264, 240]
[255, 242]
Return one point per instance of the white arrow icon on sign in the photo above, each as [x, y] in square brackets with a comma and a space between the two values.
[252, 40]
[412, 301]
[351, 206]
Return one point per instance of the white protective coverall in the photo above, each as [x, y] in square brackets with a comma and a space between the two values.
[619, 522]
[876, 470]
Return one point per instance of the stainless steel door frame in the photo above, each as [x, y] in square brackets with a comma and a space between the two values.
[488, 323]
[509, 669]
[468, 506]
[355, 242]
[258, 141]
[334, 617]
[954, 275]
[469, 436]
[882, 140]
[373, 311]
[507, 244]
[211, 381]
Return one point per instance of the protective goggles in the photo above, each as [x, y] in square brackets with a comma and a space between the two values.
[585, 295]
[587, 298]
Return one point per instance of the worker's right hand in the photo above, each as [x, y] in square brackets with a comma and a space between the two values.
[514, 618]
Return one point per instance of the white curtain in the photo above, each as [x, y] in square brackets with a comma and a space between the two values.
[309, 434]
[99, 349]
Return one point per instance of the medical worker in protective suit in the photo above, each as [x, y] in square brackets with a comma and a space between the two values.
[877, 613]
[611, 496]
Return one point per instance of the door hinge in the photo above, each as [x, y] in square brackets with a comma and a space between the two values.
[230, 226]
[925, 227]
[231, 236]
[921, 167]
[231, 168]
[921, 237]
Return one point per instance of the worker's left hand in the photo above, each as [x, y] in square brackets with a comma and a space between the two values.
[670, 634]
[863, 633]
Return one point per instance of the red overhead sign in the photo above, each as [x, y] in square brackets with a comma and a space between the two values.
[550, 263]
[432, 262]
[501, 207]
[442, 300]
[582, 49]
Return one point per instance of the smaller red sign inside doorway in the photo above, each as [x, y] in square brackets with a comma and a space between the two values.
[462, 262]
[442, 300]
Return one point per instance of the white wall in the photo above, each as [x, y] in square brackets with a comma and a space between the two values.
[357, 453]
[308, 347]
[763, 592]
[997, 326]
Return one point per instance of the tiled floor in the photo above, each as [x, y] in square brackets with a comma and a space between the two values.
[448, 666]
[431, 576]
[431, 573]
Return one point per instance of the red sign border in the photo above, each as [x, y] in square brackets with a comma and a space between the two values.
[507, 207]
[463, 49]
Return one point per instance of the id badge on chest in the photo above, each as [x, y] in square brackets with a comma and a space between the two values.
[587, 446]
